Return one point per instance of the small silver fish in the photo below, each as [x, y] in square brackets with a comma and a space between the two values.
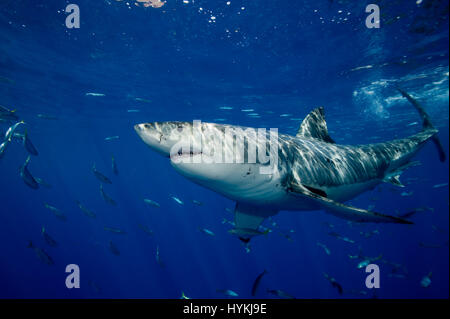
[56, 211]
[26, 175]
[86, 211]
[158, 257]
[114, 230]
[207, 232]
[48, 239]
[346, 239]
[151, 202]
[47, 117]
[7, 115]
[183, 296]
[334, 283]
[110, 138]
[41, 182]
[29, 145]
[325, 248]
[101, 177]
[94, 94]
[367, 260]
[142, 100]
[179, 201]
[280, 293]
[41, 254]
[105, 197]
[369, 234]
[363, 263]
[114, 166]
[3, 148]
[10, 132]
[226, 221]
[426, 281]
[145, 229]
[113, 248]
[257, 282]
[228, 292]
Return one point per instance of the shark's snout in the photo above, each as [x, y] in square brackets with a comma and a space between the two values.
[139, 128]
[152, 135]
[146, 131]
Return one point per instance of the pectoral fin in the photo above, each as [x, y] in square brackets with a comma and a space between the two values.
[345, 211]
[247, 219]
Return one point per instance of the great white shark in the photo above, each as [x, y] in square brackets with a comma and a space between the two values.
[312, 172]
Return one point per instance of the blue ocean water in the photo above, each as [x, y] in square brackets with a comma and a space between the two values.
[210, 60]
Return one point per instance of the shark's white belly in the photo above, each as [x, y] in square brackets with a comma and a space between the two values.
[244, 183]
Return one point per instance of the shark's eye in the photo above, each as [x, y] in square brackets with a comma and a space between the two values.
[147, 126]
[180, 128]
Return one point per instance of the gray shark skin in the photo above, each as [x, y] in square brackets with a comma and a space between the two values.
[312, 171]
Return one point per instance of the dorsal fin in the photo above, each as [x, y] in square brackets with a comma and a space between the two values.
[315, 126]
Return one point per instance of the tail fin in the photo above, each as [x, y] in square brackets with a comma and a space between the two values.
[427, 125]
